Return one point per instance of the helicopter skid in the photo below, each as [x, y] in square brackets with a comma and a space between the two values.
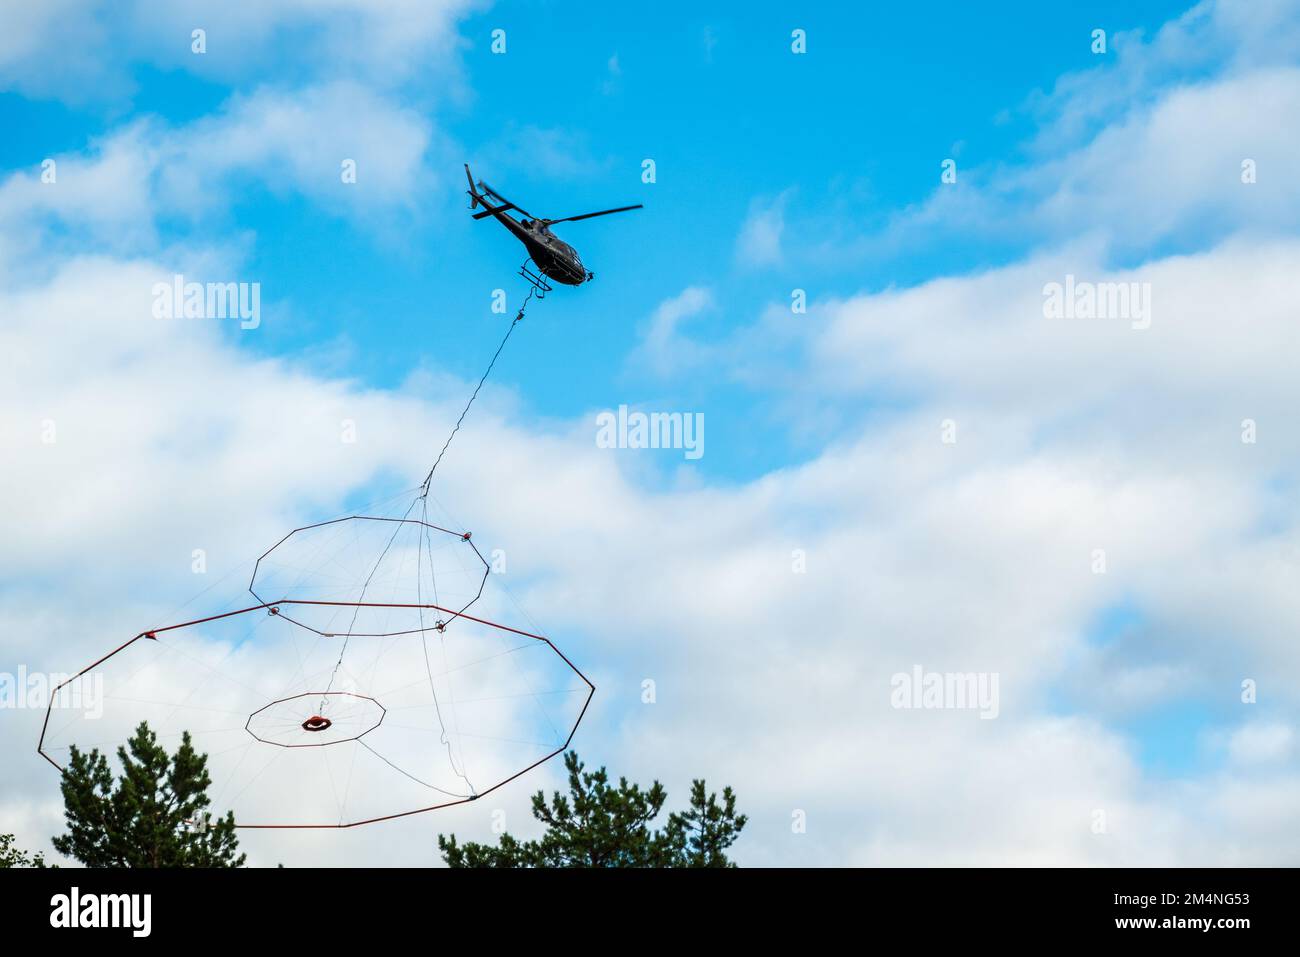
[536, 278]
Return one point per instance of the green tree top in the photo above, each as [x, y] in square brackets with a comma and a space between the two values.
[599, 825]
[12, 856]
[156, 816]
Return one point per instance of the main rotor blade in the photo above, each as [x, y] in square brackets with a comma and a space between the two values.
[603, 212]
[492, 192]
[492, 210]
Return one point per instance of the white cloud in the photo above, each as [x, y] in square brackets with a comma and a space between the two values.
[291, 141]
[1158, 172]
[1261, 742]
[1218, 36]
[96, 43]
[1178, 166]
[1132, 156]
[973, 557]
[613, 80]
[540, 151]
[30, 33]
[759, 242]
[664, 349]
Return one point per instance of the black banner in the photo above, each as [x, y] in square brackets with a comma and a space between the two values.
[357, 907]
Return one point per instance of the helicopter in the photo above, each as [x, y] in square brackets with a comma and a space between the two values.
[554, 258]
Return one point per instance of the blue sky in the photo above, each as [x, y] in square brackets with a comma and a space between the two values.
[855, 132]
[775, 172]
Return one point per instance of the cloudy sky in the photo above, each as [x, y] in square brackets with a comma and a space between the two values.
[925, 468]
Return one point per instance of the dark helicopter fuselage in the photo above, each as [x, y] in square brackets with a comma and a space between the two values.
[553, 256]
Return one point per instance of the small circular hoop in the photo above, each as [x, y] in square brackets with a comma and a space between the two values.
[316, 723]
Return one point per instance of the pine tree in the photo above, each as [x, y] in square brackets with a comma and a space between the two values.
[599, 825]
[700, 837]
[156, 816]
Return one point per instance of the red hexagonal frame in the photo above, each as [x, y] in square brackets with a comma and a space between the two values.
[272, 607]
